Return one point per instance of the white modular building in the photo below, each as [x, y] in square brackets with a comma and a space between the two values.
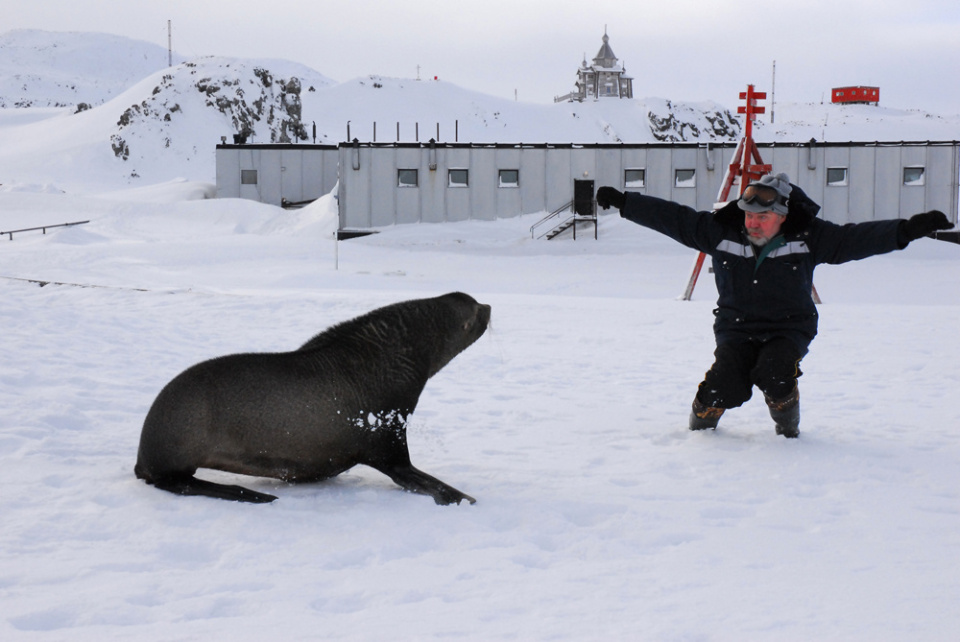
[276, 173]
[380, 184]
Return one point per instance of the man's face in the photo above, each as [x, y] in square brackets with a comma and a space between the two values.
[762, 226]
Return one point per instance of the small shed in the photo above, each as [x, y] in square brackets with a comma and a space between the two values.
[857, 95]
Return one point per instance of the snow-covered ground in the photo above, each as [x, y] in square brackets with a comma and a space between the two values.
[599, 515]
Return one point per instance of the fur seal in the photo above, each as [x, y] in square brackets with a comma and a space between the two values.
[341, 399]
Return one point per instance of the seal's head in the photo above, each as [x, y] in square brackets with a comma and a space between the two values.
[464, 319]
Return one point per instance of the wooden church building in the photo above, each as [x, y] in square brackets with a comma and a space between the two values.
[605, 78]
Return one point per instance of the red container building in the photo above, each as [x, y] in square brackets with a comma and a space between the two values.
[857, 95]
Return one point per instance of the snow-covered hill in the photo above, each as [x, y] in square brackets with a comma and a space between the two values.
[166, 123]
[67, 69]
[189, 108]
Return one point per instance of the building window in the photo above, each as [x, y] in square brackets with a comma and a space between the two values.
[457, 178]
[634, 178]
[407, 178]
[509, 178]
[913, 176]
[685, 178]
[837, 176]
[248, 177]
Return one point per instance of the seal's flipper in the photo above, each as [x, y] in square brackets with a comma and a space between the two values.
[417, 481]
[194, 486]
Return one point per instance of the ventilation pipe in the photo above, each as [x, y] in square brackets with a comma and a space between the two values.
[811, 157]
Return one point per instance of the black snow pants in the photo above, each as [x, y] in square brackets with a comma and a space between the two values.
[772, 366]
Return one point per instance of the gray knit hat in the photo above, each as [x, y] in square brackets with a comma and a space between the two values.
[769, 194]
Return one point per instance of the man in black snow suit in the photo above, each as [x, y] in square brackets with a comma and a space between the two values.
[764, 247]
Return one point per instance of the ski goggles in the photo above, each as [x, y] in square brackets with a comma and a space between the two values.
[762, 195]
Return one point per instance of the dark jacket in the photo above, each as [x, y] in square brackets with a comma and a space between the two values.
[763, 296]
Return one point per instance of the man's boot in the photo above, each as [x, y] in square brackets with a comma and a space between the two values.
[703, 417]
[786, 413]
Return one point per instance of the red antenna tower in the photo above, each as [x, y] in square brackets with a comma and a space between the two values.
[745, 166]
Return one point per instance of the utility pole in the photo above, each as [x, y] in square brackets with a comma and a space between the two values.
[169, 45]
[773, 90]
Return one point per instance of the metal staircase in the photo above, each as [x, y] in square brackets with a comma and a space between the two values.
[582, 209]
[555, 219]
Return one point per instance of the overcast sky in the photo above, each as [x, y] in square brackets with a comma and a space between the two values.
[683, 50]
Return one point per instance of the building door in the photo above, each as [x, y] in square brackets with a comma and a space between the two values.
[583, 198]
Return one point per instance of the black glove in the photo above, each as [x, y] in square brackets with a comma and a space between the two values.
[919, 225]
[607, 196]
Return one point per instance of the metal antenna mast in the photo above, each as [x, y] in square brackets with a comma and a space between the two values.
[773, 90]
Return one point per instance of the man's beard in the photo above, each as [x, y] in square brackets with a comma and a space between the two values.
[759, 241]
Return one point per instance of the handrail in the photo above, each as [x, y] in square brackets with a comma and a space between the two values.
[42, 227]
[555, 213]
